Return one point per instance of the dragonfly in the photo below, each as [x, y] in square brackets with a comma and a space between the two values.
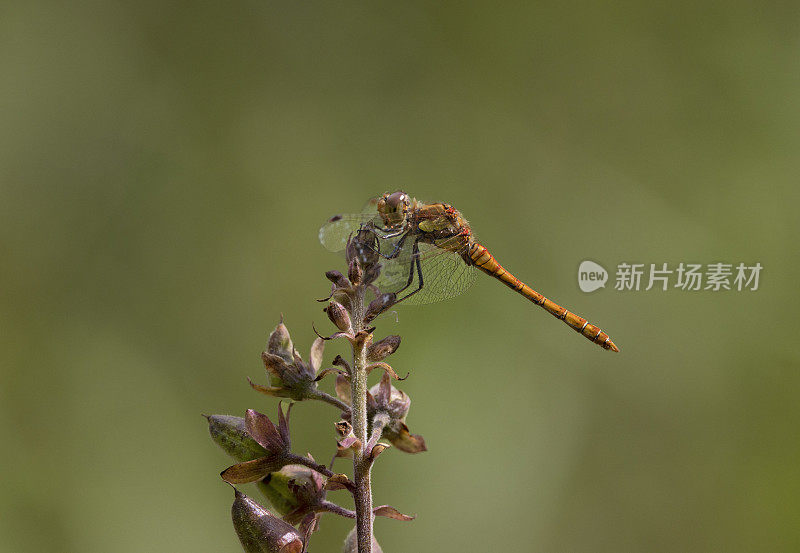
[428, 253]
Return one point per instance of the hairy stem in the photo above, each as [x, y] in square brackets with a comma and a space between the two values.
[327, 398]
[361, 465]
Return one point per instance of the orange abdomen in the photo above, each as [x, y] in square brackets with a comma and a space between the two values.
[485, 261]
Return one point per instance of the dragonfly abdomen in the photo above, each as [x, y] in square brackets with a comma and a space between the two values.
[485, 261]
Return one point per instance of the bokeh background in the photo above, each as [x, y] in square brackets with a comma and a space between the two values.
[164, 168]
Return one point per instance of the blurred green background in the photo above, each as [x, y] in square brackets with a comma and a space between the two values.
[164, 168]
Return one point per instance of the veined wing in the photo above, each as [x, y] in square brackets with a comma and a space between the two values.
[334, 234]
[444, 272]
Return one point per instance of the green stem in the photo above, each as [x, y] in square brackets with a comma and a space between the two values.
[362, 494]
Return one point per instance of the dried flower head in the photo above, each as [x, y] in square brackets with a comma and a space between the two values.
[384, 348]
[260, 531]
[387, 406]
[339, 316]
[295, 491]
[274, 440]
[280, 342]
[290, 376]
[385, 398]
[363, 258]
[347, 441]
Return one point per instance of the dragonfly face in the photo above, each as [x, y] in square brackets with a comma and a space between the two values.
[393, 209]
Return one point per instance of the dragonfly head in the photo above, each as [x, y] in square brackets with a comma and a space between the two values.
[393, 208]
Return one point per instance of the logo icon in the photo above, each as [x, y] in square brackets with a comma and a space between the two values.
[591, 276]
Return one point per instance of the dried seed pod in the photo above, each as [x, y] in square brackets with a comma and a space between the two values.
[289, 375]
[339, 316]
[260, 531]
[383, 349]
[379, 305]
[280, 343]
[294, 491]
[274, 439]
[338, 279]
[230, 434]
[354, 271]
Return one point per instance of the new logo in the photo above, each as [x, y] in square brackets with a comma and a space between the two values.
[591, 276]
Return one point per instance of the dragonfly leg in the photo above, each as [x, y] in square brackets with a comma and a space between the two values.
[396, 249]
[395, 252]
[390, 233]
[416, 263]
[410, 271]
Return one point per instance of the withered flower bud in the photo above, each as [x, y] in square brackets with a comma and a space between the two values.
[294, 491]
[339, 316]
[395, 403]
[289, 376]
[338, 279]
[354, 271]
[260, 531]
[280, 343]
[389, 399]
[379, 305]
[343, 428]
[364, 247]
[383, 349]
[229, 433]
[347, 439]
[362, 257]
[342, 289]
[275, 441]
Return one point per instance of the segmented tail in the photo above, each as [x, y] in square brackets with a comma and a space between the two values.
[486, 262]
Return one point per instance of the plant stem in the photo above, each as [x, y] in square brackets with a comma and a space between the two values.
[338, 509]
[327, 398]
[361, 465]
[322, 469]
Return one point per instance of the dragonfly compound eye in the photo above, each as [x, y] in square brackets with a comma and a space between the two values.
[393, 207]
[397, 202]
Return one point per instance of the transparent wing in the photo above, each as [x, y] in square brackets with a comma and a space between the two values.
[444, 276]
[334, 234]
[444, 272]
